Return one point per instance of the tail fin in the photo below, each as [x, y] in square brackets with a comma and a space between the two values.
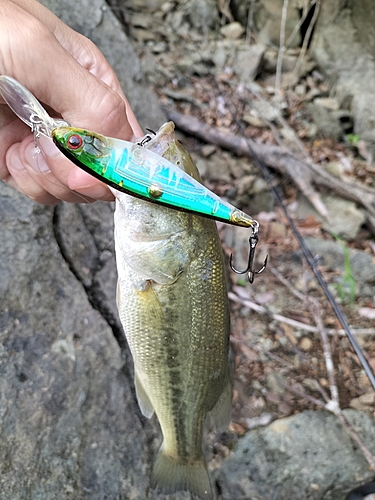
[170, 474]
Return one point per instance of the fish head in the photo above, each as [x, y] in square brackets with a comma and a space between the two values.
[165, 144]
[81, 145]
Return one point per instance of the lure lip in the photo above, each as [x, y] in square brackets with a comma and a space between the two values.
[28, 109]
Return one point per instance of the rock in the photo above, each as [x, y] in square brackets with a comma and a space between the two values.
[307, 456]
[202, 15]
[76, 242]
[335, 168]
[345, 219]
[306, 344]
[327, 102]
[217, 167]
[248, 61]
[266, 110]
[150, 5]
[331, 254]
[326, 120]
[254, 120]
[69, 417]
[343, 46]
[232, 30]
[208, 150]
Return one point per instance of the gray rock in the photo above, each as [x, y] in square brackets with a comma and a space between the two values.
[68, 416]
[331, 254]
[345, 218]
[201, 14]
[326, 120]
[248, 61]
[343, 45]
[307, 456]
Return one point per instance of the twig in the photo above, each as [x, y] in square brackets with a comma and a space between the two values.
[315, 310]
[354, 435]
[223, 6]
[286, 283]
[296, 324]
[302, 297]
[249, 24]
[303, 394]
[297, 27]
[280, 54]
[277, 317]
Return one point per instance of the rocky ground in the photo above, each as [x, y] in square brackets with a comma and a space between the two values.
[219, 73]
[216, 74]
[70, 426]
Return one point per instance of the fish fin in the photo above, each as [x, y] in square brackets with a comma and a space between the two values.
[118, 295]
[221, 412]
[143, 400]
[171, 474]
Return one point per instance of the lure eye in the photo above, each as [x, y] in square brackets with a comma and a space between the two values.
[75, 141]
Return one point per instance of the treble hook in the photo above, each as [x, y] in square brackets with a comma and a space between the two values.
[253, 241]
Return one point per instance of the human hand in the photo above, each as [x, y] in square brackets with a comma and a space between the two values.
[68, 73]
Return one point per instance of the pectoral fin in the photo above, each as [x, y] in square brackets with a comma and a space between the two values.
[143, 400]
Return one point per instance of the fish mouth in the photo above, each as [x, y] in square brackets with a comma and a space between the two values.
[162, 139]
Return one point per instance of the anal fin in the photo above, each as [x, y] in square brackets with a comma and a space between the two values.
[143, 400]
[221, 412]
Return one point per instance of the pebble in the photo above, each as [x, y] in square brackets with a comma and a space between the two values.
[254, 120]
[266, 110]
[208, 150]
[232, 30]
[327, 102]
[335, 168]
[306, 344]
[259, 186]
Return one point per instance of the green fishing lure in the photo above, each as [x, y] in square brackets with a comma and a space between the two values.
[131, 168]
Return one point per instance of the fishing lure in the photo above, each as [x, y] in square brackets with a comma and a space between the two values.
[132, 169]
[127, 166]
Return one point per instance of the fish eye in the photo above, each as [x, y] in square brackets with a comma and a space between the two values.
[75, 141]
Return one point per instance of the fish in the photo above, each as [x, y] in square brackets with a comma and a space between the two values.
[173, 305]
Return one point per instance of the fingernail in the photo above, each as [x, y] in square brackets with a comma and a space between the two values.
[35, 160]
[97, 191]
[48, 147]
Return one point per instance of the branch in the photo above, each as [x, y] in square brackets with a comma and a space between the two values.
[303, 173]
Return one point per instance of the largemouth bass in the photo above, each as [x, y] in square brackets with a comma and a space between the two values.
[173, 305]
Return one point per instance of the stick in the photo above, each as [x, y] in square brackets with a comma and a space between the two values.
[302, 173]
[280, 54]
